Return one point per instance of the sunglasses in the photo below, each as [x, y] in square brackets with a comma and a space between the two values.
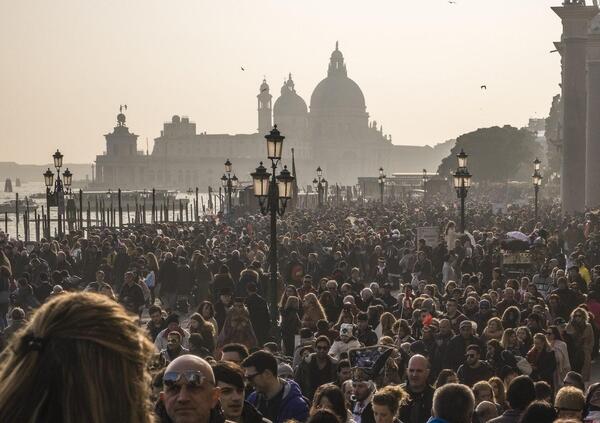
[193, 379]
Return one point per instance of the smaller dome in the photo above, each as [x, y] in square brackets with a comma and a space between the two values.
[175, 119]
[289, 103]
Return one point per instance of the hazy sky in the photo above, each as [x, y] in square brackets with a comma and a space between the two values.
[68, 64]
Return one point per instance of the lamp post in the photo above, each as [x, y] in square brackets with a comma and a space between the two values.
[273, 193]
[537, 182]
[319, 184]
[230, 184]
[381, 181]
[462, 183]
[55, 197]
[425, 178]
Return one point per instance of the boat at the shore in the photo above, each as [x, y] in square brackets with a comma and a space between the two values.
[11, 206]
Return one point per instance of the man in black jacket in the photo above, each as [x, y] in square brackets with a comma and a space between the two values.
[131, 296]
[259, 313]
[167, 278]
[457, 347]
[418, 408]
[365, 334]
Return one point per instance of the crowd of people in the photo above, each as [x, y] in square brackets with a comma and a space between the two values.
[371, 324]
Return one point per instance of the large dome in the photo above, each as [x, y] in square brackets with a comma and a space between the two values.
[289, 103]
[337, 91]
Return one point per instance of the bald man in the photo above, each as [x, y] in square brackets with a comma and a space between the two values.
[418, 408]
[189, 392]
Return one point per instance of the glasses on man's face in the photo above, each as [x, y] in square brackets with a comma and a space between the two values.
[173, 381]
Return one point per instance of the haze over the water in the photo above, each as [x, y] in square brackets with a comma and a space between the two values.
[68, 64]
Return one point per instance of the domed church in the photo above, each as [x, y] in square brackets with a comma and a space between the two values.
[335, 134]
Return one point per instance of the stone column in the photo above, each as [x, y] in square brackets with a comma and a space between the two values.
[592, 172]
[575, 19]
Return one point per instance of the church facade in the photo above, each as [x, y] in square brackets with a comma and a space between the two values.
[335, 133]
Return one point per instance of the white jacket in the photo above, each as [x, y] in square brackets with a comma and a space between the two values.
[339, 347]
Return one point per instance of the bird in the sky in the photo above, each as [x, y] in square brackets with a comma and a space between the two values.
[452, 1]
[484, 87]
[242, 68]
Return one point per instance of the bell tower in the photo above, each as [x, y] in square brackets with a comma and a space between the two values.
[265, 123]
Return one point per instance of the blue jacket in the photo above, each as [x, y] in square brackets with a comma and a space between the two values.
[436, 420]
[293, 404]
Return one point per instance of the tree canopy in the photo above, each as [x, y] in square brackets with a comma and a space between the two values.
[496, 154]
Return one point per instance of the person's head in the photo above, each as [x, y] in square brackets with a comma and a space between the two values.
[539, 412]
[86, 339]
[454, 403]
[543, 391]
[323, 416]
[483, 391]
[344, 371]
[520, 393]
[445, 327]
[362, 389]
[446, 376]
[540, 342]
[260, 369]
[386, 403]
[229, 378]
[173, 341]
[473, 355]
[466, 329]
[172, 322]
[569, 402]
[362, 321]
[330, 397]
[189, 392]
[17, 314]
[575, 379]
[348, 391]
[418, 372]
[236, 353]
[486, 411]
[322, 345]
[579, 316]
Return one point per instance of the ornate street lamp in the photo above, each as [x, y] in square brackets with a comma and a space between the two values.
[381, 181]
[230, 184]
[55, 191]
[319, 185]
[462, 183]
[273, 193]
[425, 178]
[537, 182]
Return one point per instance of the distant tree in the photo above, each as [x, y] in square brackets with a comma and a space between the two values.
[496, 154]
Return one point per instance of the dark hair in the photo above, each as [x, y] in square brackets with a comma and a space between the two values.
[520, 392]
[543, 390]
[538, 412]
[335, 396]
[261, 361]
[324, 416]
[474, 347]
[555, 332]
[230, 373]
[362, 316]
[323, 338]
[454, 403]
[241, 349]
[154, 309]
[322, 324]
[443, 377]
[342, 364]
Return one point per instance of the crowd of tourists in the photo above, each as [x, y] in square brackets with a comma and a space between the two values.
[371, 323]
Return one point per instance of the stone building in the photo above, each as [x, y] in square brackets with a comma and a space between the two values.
[336, 133]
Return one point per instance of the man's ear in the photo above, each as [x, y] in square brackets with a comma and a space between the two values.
[216, 395]
[162, 396]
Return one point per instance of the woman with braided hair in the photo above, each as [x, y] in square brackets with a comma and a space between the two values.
[81, 358]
